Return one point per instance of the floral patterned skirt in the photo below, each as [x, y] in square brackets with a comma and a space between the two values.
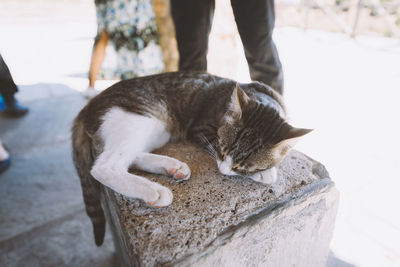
[132, 31]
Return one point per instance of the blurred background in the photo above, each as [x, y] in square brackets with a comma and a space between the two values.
[341, 61]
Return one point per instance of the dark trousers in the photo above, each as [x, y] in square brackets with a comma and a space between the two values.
[7, 85]
[255, 20]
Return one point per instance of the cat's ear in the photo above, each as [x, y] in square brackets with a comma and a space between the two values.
[238, 100]
[289, 138]
[291, 135]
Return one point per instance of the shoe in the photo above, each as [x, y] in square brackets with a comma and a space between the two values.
[90, 92]
[15, 110]
[4, 164]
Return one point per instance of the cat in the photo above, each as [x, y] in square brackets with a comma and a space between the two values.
[243, 126]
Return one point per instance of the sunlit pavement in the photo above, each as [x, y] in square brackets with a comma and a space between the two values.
[345, 89]
[348, 91]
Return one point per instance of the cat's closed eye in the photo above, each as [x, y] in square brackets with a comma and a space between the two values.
[222, 152]
[248, 168]
[245, 169]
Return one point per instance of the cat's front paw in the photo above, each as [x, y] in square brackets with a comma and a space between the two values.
[266, 177]
[160, 197]
[180, 171]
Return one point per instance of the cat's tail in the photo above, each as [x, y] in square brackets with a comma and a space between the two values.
[83, 160]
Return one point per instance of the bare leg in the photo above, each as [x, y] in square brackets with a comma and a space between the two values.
[159, 164]
[4, 158]
[3, 152]
[99, 51]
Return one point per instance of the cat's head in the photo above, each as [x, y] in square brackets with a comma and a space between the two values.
[253, 138]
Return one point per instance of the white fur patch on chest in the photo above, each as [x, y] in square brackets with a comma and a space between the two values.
[121, 129]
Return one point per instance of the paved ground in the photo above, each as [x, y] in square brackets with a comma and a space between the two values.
[345, 89]
[43, 222]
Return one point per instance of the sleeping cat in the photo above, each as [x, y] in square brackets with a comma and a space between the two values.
[242, 126]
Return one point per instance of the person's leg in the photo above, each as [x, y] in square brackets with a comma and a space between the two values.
[192, 20]
[255, 20]
[99, 51]
[8, 90]
[7, 85]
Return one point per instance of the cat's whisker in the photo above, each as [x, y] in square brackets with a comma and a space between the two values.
[204, 139]
[212, 152]
[209, 147]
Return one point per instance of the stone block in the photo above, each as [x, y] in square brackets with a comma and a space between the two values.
[217, 220]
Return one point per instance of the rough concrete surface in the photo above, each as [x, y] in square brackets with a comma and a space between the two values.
[209, 206]
[293, 232]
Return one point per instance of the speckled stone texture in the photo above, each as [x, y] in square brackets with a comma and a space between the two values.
[219, 220]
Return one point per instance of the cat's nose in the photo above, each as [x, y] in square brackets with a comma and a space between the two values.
[225, 167]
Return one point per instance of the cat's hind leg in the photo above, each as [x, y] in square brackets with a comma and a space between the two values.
[110, 170]
[162, 165]
[126, 135]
